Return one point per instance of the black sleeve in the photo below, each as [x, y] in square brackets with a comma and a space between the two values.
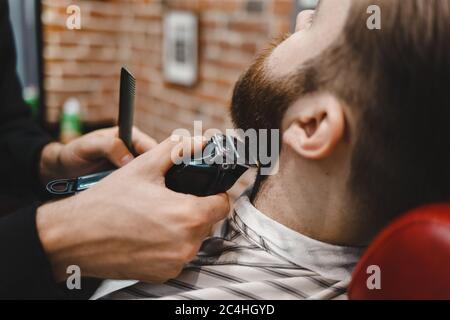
[21, 139]
[24, 269]
[25, 272]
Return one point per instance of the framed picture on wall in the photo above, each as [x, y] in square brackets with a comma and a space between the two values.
[180, 48]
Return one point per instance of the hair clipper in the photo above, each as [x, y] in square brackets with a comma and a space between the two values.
[222, 163]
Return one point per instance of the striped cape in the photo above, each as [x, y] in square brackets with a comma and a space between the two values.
[251, 257]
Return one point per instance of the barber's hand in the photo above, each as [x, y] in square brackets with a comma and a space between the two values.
[90, 153]
[130, 226]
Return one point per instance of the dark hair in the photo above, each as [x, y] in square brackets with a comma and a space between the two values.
[397, 80]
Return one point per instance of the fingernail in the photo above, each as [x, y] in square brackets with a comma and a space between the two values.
[126, 159]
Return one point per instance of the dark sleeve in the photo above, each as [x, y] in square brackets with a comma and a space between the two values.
[24, 268]
[25, 272]
[21, 139]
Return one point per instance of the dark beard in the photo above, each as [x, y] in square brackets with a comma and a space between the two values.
[260, 103]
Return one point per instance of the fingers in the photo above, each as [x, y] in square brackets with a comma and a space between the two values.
[106, 143]
[304, 20]
[142, 142]
[93, 147]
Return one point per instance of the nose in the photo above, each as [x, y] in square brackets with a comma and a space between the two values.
[304, 20]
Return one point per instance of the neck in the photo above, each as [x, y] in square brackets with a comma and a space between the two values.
[318, 211]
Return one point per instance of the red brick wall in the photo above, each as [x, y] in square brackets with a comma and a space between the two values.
[86, 63]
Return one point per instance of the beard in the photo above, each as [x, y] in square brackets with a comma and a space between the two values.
[260, 102]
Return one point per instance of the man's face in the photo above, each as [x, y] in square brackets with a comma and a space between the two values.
[277, 79]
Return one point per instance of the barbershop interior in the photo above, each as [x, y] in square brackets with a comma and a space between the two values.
[330, 220]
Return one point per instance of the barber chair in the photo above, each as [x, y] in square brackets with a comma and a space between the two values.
[413, 256]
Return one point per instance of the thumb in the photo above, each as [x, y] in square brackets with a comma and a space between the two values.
[94, 147]
[170, 151]
[117, 153]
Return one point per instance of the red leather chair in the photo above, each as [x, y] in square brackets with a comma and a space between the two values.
[413, 255]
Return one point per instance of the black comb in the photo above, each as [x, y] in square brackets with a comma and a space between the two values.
[65, 187]
[126, 108]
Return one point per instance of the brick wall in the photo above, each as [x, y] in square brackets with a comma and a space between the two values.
[86, 63]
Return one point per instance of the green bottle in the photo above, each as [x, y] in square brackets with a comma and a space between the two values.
[31, 98]
[70, 123]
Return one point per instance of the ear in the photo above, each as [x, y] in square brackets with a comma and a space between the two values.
[314, 125]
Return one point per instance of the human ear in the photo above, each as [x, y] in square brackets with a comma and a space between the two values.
[314, 125]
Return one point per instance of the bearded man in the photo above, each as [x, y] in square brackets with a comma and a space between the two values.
[365, 121]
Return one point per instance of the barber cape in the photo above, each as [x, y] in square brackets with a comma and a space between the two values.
[251, 256]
